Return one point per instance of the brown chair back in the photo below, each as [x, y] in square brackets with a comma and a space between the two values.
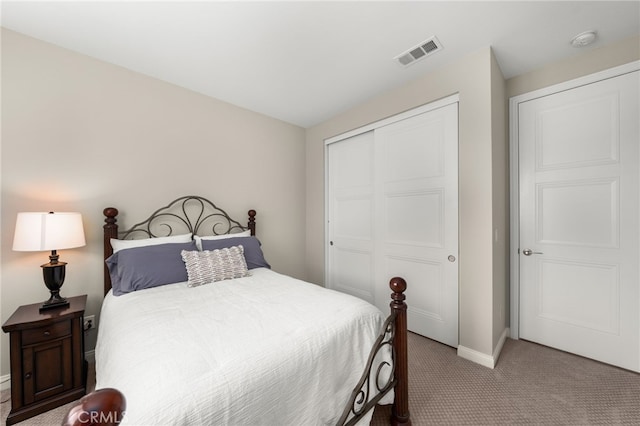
[103, 407]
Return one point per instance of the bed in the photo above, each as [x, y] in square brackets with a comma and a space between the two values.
[196, 329]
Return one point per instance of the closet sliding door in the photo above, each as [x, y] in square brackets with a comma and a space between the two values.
[350, 257]
[392, 210]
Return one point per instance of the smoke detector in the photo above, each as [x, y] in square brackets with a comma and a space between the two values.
[584, 39]
[419, 51]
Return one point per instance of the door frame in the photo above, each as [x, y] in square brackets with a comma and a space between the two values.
[514, 189]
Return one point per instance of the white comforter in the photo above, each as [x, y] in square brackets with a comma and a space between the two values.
[262, 350]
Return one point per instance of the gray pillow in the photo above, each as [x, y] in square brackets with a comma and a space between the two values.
[251, 245]
[139, 268]
[204, 267]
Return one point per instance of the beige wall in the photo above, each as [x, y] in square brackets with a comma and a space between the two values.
[80, 135]
[484, 176]
[583, 63]
[500, 179]
[472, 79]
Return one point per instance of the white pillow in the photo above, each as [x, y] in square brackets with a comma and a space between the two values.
[118, 245]
[198, 238]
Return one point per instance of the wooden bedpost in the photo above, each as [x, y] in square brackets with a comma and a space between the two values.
[400, 411]
[110, 231]
[252, 221]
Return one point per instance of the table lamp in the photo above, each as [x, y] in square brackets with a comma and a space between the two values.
[41, 231]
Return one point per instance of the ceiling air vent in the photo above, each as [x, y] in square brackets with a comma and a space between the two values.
[421, 51]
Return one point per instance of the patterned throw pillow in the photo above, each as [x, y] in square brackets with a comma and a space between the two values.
[204, 267]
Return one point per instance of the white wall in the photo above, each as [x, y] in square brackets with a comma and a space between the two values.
[81, 135]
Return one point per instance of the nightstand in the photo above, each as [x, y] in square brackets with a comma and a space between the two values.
[48, 368]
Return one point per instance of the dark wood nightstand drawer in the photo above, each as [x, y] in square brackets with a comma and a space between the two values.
[47, 332]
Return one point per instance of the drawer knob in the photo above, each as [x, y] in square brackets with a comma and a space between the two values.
[27, 376]
[47, 333]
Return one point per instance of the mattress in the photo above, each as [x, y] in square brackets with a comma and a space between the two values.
[261, 350]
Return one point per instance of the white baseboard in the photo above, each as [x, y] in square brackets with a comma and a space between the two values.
[498, 348]
[483, 359]
[5, 381]
[475, 356]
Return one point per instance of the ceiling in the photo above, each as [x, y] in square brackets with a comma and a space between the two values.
[303, 62]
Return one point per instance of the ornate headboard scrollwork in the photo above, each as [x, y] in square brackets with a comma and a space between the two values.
[186, 215]
[190, 214]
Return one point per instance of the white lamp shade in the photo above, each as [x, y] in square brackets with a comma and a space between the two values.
[41, 231]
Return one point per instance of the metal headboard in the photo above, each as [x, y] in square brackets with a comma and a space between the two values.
[189, 214]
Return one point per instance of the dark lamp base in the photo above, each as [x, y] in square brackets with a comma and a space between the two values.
[54, 302]
[53, 273]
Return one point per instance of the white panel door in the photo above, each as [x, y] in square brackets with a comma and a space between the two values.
[350, 223]
[579, 214]
[417, 217]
